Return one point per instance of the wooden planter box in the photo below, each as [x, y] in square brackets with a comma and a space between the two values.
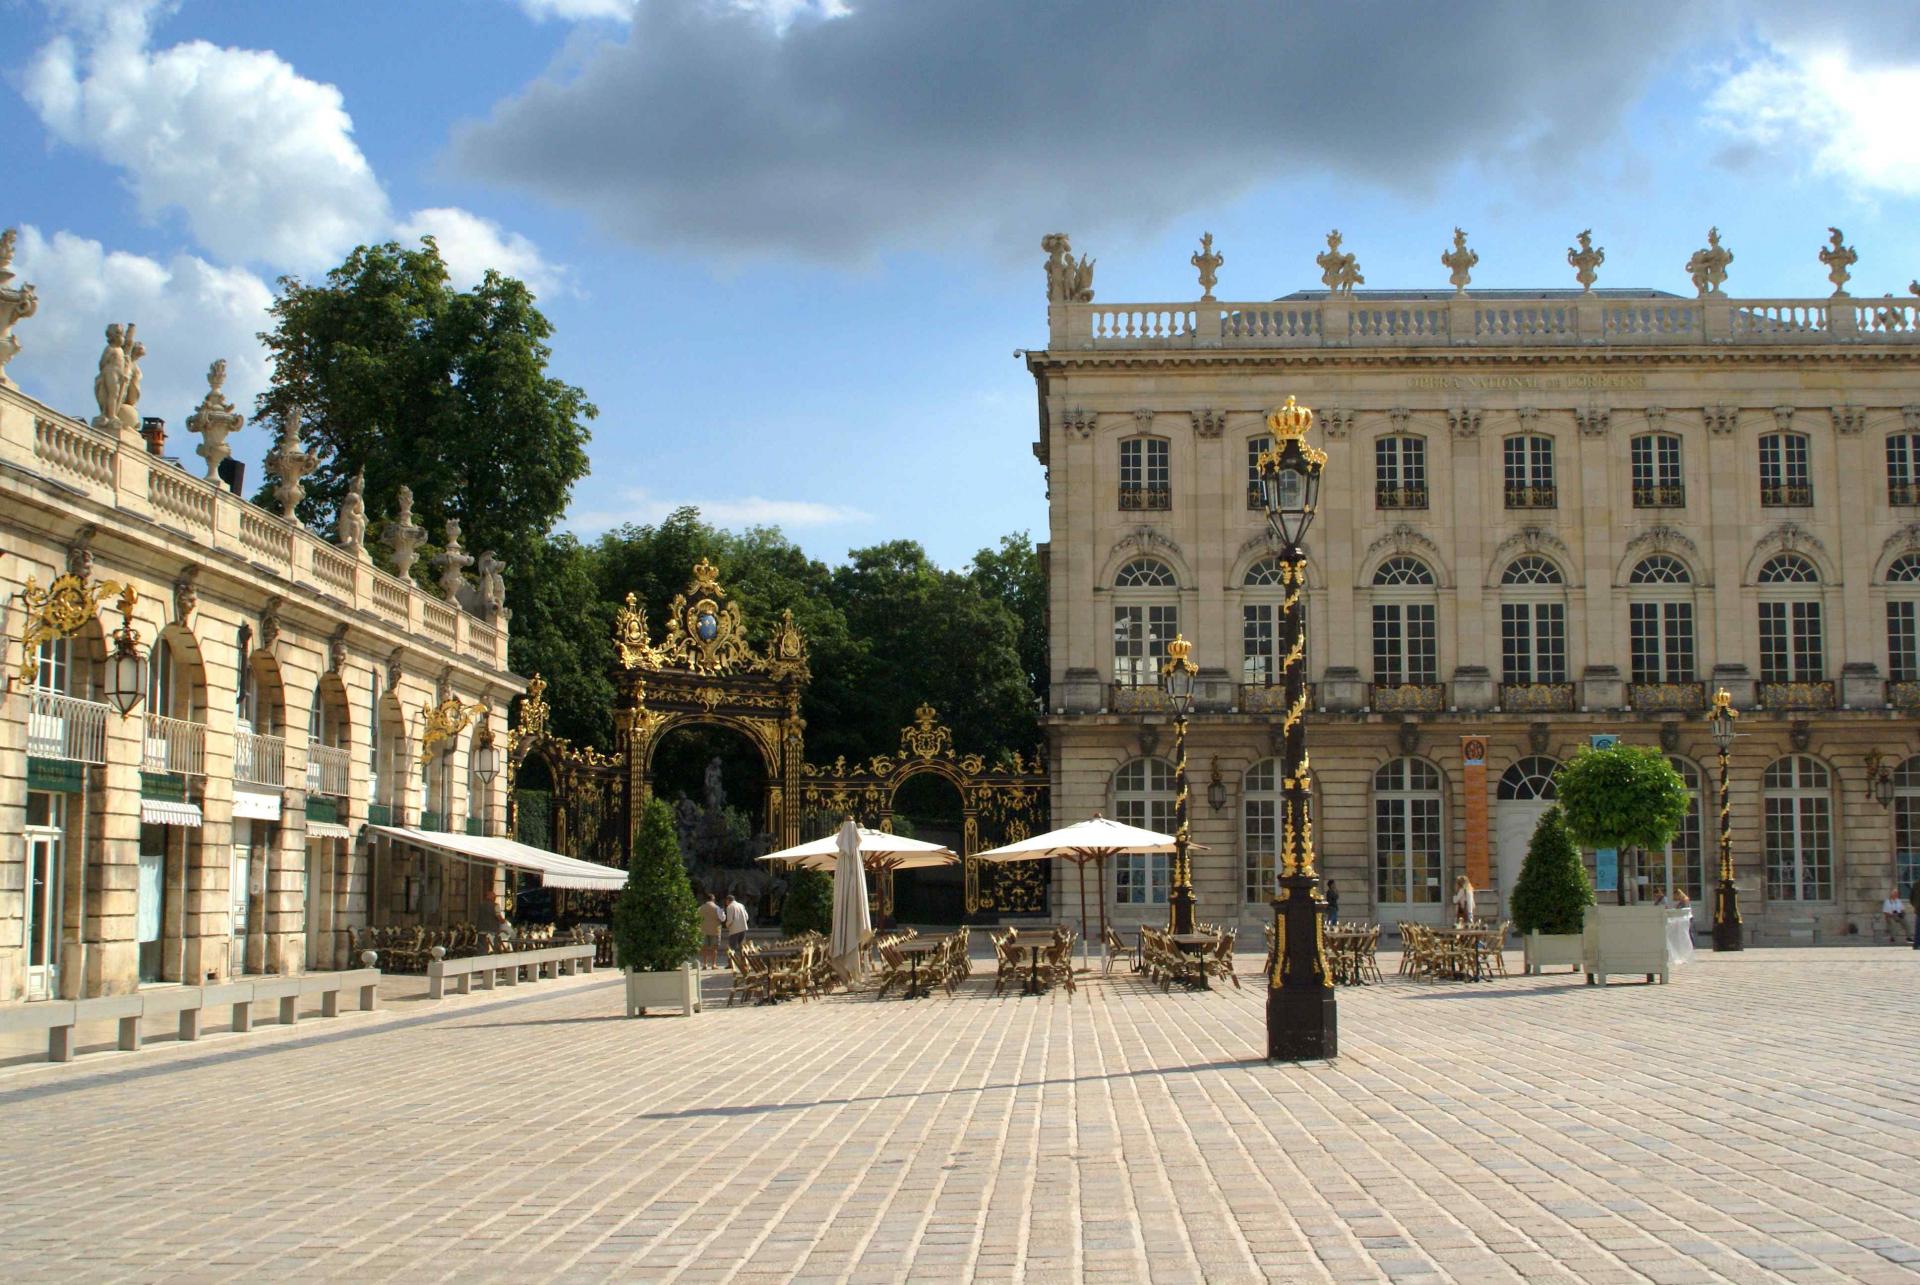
[679, 989]
[1625, 939]
[1548, 950]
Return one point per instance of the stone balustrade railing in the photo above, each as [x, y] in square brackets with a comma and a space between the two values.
[122, 474]
[1364, 321]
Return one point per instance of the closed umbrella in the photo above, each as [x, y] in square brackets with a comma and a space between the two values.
[851, 919]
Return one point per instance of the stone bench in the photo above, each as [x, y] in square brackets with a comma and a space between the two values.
[552, 961]
[60, 1018]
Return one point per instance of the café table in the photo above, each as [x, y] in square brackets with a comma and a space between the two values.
[1339, 942]
[1196, 944]
[1469, 935]
[913, 950]
[764, 958]
[1033, 948]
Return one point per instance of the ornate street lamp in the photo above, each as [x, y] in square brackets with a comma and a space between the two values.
[1176, 680]
[1726, 901]
[126, 667]
[1302, 1020]
[486, 759]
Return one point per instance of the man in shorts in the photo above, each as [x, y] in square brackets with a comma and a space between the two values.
[712, 918]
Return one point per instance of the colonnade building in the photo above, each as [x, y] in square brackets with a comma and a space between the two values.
[1547, 515]
[288, 692]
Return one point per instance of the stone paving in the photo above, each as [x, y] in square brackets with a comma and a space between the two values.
[1758, 1119]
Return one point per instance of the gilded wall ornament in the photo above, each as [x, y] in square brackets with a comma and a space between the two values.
[59, 611]
[442, 722]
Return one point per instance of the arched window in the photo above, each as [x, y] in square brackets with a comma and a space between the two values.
[1792, 636]
[1798, 793]
[1903, 619]
[1531, 569]
[1657, 479]
[1400, 471]
[1146, 616]
[1407, 835]
[1533, 623]
[1528, 459]
[1405, 634]
[1256, 447]
[1906, 824]
[1143, 796]
[1528, 778]
[1660, 620]
[1786, 477]
[1263, 624]
[1145, 478]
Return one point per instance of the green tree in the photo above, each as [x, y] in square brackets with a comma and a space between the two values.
[1627, 796]
[562, 629]
[656, 925]
[1553, 892]
[1013, 575]
[443, 390]
[809, 903]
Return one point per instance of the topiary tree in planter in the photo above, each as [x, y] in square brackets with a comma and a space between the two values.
[1626, 796]
[809, 903]
[656, 925]
[1553, 892]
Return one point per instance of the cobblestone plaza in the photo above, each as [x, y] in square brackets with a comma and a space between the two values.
[1754, 1120]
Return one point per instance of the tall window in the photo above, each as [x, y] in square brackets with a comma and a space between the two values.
[1906, 824]
[245, 684]
[1903, 620]
[1260, 823]
[1529, 472]
[1657, 481]
[1688, 870]
[1256, 447]
[1903, 468]
[373, 740]
[56, 659]
[1533, 627]
[1263, 624]
[1660, 621]
[1792, 644]
[160, 679]
[1786, 479]
[1145, 620]
[1400, 472]
[1406, 833]
[1143, 796]
[1405, 646]
[1799, 829]
[1145, 482]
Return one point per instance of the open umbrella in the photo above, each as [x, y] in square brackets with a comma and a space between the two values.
[1092, 840]
[880, 852]
[851, 919]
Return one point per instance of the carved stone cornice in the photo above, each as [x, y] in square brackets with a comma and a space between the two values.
[1144, 539]
[1665, 539]
[1207, 423]
[1464, 421]
[1720, 420]
[1849, 421]
[1080, 420]
[1528, 539]
[1788, 537]
[1593, 421]
[1905, 540]
[1401, 538]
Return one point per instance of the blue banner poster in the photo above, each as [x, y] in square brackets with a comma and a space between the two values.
[1606, 861]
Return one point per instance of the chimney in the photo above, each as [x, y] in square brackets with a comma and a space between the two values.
[234, 474]
[154, 430]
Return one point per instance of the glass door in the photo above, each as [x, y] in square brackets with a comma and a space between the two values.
[46, 850]
[238, 888]
[149, 903]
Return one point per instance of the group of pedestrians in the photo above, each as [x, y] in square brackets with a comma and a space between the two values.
[727, 917]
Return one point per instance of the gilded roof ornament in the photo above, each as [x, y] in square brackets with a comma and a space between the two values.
[1339, 269]
[1839, 259]
[1209, 264]
[630, 634]
[1708, 267]
[1584, 260]
[1461, 260]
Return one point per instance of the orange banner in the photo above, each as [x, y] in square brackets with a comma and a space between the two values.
[1473, 754]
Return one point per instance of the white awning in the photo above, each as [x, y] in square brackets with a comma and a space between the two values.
[327, 830]
[555, 871]
[248, 806]
[161, 812]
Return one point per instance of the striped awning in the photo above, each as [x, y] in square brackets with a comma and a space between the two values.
[163, 812]
[327, 830]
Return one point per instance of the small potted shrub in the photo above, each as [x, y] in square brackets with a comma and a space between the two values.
[1551, 896]
[1624, 797]
[656, 926]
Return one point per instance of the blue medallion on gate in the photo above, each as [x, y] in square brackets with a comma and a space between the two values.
[707, 623]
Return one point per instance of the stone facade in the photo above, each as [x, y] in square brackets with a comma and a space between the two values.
[123, 839]
[1547, 515]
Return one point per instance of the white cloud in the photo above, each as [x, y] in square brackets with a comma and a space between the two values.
[579, 10]
[779, 13]
[471, 244]
[637, 505]
[259, 160]
[189, 312]
[1842, 120]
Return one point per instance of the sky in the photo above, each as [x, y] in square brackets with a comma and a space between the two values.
[790, 247]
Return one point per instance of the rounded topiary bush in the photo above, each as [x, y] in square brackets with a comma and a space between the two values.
[1553, 892]
[809, 903]
[656, 926]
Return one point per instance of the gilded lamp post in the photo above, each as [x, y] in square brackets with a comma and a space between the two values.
[1176, 680]
[1726, 901]
[1302, 1019]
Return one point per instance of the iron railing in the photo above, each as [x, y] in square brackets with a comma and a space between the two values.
[1157, 496]
[259, 759]
[1659, 497]
[1787, 497]
[66, 727]
[1399, 497]
[174, 745]
[326, 769]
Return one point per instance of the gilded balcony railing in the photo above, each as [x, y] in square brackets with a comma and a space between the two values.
[1786, 497]
[1399, 497]
[1271, 698]
[1797, 696]
[1903, 694]
[1155, 497]
[1408, 698]
[66, 727]
[174, 745]
[1656, 697]
[1532, 497]
[1659, 497]
[1141, 698]
[1530, 698]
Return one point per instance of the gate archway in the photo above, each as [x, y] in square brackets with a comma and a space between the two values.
[999, 804]
[582, 811]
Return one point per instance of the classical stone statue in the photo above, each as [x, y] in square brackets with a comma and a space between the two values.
[116, 376]
[1069, 280]
[288, 465]
[214, 420]
[491, 573]
[453, 563]
[1209, 264]
[1584, 260]
[17, 303]
[1461, 260]
[403, 537]
[1839, 259]
[1708, 267]
[1338, 269]
[352, 522]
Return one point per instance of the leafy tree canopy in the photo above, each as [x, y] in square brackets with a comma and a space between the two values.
[1628, 796]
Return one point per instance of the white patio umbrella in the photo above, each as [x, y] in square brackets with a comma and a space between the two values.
[851, 918]
[1092, 840]
[880, 852]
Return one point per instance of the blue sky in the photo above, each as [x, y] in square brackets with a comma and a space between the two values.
[790, 245]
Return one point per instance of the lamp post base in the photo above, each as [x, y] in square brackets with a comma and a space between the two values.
[1180, 910]
[1303, 1023]
[1726, 918]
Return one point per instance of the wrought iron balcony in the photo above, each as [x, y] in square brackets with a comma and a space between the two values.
[1787, 497]
[174, 745]
[1271, 698]
[1797, 696]
[1408, 698]
[1157, 496]
[66, 727]
[259, 759]
[1138, 698]
[1532, 497]
[1904, 493]
[1656, 697]
[1903, 694]
[1529, 698]
[326, 769]
[1659, 497]
[1399, 497]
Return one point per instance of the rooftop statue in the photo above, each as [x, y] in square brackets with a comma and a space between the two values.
[1838, 258]
[214, 420]
[116, 389]
[351, 525]
[1461, 260]
[453, 563]
[289, 465]
[1069, 280]
[1339, 270]
[1209, 264]
[491, 573]
[1585, 260]
[403, 537]
[1708, 267]
[17, 303]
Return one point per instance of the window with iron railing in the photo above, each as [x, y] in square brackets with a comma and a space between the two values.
[1400, 472]
[1903, 469]
[1786, 479]
[1256, 447]
[1145, 474]
[1140, 637]
[1657, 478]
[1528, 472]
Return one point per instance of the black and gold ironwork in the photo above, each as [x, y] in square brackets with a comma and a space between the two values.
[441, 723]
[1727, 930]
[585, 815]
[1176, 680]
[1000, 803]
[1302, 1017]
[59, 611]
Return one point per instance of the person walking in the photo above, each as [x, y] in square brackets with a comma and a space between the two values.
[1333, 903]
[712, 920]
[1894, 911]
[493, 920]
[1462, 902]
[736, 922]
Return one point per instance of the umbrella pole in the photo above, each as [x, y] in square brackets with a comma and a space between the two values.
[1082, 865]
